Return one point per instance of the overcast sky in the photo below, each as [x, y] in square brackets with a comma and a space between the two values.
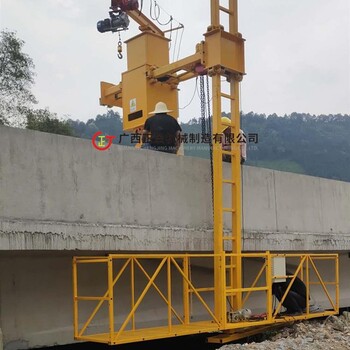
[297, 52]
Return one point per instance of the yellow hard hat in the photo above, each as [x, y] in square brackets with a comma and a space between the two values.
[225, 120]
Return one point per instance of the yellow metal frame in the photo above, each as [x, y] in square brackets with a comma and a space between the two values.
[221, 56]
[122, 328]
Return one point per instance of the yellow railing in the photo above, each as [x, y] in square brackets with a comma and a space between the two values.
[131, 279]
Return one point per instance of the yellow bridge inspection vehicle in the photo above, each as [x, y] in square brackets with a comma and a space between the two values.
[135, 281]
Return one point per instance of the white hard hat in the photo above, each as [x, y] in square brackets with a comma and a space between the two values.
[161, 107]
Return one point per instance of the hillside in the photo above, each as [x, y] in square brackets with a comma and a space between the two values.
[300, 143]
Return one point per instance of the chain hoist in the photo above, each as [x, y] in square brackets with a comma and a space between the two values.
[209, 130]
[206, 125]
[120, 47]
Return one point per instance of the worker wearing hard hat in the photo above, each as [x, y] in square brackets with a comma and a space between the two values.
[161, 132]
[227, 141]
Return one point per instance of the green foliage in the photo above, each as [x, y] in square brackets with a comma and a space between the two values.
[299, 143]
[303, 143]
[109, 123]
[16, 79]
[44, 120]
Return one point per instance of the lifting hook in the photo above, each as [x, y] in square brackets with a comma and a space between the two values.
[120, 48]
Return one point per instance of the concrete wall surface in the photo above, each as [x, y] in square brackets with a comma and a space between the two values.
[58, 192]
[59, 195]
[36, 307]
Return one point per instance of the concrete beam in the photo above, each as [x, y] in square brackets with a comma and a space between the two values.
[44, 235]
[59, 192]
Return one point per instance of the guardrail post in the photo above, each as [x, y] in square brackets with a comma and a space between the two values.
[186, 296]
[75, 296]
[110, 300]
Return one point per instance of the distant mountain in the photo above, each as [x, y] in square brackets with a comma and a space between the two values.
[300, 143]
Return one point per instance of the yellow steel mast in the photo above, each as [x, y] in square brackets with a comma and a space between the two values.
[232, 265]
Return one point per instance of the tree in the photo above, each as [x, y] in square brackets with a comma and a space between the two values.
[44, 120]
[16, 80]
[109, 123]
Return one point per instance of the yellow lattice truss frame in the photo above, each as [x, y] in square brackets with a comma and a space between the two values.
[134, 271]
